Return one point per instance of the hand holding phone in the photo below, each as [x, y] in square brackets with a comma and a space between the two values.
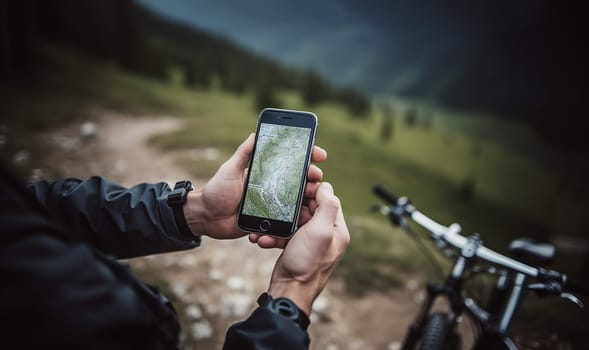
[276, 178]
[309, 258]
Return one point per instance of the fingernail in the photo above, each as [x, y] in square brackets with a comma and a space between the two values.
[323, 149]
[327, 186]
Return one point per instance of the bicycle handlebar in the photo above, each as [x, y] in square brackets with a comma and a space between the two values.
[552, 282]
[451, 234]
[385, 194]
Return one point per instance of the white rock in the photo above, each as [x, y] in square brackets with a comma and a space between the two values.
[179, 289]
[235, 305]
[320, 305]
[236, 283]
[188, 260]
[412, 284]
[37, 174]
[419, 297]
[88, 130]
[394, 346]
[212, 309]
[216, 275]
[201, 330]
[193, 312]
[66, 143]
[21, 157]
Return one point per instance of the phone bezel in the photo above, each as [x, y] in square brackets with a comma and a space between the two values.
[278, 228]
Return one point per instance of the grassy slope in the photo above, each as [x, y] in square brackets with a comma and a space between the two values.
[428, 165]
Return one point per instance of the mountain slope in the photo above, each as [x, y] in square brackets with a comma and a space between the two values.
[519, 59]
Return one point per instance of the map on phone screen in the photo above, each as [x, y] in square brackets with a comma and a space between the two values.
[276, 172]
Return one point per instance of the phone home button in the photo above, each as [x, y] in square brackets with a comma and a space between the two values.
[265, 225]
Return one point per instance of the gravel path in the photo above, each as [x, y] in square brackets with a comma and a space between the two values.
[218, 283]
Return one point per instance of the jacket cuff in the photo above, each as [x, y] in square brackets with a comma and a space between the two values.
[265, 329]
[181, 230]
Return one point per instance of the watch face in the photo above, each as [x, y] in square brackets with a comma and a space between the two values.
[285, 307]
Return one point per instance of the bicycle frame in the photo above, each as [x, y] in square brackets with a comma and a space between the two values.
[451, 289]
[493, 323]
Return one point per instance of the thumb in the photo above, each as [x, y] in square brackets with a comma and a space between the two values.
[240, 158]
[328, 206]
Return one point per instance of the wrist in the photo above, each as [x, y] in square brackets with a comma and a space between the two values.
[302, 295]
[195, 213]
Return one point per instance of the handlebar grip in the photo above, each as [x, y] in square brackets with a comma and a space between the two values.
[575, 287]
[384, 194]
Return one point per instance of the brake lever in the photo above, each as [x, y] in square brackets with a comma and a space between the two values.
[555, 289]
[394, 213]
[573, 299]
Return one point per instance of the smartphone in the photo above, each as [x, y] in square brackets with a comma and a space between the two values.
[277, 173]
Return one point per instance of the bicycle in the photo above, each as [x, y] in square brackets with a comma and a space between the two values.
[438, 330]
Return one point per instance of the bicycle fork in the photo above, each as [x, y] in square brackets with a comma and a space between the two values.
[494, 335]
[451, 289]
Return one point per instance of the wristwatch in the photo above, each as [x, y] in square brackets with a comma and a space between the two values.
[286, 308]
[176, 199]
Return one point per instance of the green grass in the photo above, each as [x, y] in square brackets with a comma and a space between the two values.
[516, 192]
[430, 165]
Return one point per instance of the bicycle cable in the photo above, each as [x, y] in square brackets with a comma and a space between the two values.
[426, 251]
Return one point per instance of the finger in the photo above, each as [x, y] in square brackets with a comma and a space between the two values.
[305, 215]
[268, 242]
[319, 154]
[312, 205]
[314, 174]
[253, 237]
[310, 189]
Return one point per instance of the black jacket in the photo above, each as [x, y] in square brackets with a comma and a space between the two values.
[62, 285]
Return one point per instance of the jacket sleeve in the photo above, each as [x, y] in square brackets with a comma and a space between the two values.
[59, 295]
[58, 292]
[123, 222]
[265, 330]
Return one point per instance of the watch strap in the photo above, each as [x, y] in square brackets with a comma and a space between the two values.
[176, 200]
[286, 308]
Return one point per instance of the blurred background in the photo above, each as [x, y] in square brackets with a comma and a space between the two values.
[474, 110]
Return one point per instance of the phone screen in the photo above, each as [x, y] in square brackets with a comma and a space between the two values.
[277, 167]
[277, 173]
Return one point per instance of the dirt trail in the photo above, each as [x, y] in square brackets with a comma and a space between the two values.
[218, 282]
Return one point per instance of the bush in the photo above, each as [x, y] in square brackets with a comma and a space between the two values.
[357, 104]
[314, 89]
[265, 95]
[411, 117]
